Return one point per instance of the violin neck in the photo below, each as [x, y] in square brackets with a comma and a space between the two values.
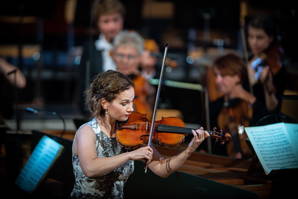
[173, 129]
[182, 130]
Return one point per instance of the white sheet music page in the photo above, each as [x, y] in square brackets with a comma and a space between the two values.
[276, 145]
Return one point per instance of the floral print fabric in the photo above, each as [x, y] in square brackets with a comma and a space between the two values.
[107, 186]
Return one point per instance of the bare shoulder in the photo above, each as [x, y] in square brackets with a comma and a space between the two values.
[85, 131]
[84, 136]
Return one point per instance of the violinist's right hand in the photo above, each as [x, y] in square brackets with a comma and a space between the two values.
[143, 153]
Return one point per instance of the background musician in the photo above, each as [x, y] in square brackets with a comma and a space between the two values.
[150, 59]
[235, 107]
[127, 53]
[11, 78]
[108, 19]
[266, 68]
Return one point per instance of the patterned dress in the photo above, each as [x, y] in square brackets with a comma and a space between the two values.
[108, 186]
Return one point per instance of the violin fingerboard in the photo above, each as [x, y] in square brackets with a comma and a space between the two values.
[173, 129]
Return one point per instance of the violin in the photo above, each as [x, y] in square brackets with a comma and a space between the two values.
[168, 131]
[138, 130]
[272, 58]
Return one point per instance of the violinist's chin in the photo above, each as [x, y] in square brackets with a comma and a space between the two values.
[124, 118]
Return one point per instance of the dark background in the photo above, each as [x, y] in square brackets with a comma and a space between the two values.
[53, 76]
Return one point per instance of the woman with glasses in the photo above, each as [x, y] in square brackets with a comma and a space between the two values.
[127, 53]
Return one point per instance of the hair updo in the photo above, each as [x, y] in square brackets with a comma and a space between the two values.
[106, 85]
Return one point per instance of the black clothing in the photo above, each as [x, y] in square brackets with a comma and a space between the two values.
[94, 58]
[258, 108]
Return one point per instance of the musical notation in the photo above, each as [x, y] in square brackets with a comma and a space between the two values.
[276, 145]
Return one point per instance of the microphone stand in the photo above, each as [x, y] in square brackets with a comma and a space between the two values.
[207, 112]
[17, 118]
[63, 121]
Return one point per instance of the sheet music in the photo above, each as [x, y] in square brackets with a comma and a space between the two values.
[275, 145]
[292, 130]
[44, 155]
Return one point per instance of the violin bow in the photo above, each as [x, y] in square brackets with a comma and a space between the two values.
[157, 99]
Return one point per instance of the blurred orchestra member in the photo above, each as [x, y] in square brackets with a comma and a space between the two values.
[266, 69]
[127, 53]
[11, 78]
[108, 19]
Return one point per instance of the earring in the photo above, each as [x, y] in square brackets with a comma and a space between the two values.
[106, 111]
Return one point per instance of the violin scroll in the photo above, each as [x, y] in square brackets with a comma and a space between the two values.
[220, 136]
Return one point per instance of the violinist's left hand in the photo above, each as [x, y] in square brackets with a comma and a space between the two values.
[267, 79]
[265, 74]
[199, 135]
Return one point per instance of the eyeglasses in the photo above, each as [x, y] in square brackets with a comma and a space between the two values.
[121, 56]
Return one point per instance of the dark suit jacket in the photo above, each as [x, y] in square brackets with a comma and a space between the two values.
[88, 72]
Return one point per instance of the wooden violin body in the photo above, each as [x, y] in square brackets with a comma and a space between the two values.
[273, 59]
[167, 131]
[135, 131]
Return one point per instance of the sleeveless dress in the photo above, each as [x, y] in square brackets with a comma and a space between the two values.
[108, 186]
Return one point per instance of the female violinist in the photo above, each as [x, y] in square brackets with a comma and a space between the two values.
[265, 68]
[127, 54]
[100, 163]
[234, 108]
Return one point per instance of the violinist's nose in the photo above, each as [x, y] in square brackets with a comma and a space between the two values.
[130, 108]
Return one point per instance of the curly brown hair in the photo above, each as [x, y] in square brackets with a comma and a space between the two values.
[106, 85]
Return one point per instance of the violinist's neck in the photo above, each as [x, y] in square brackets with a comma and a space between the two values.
[236, 92]
[107, 125]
